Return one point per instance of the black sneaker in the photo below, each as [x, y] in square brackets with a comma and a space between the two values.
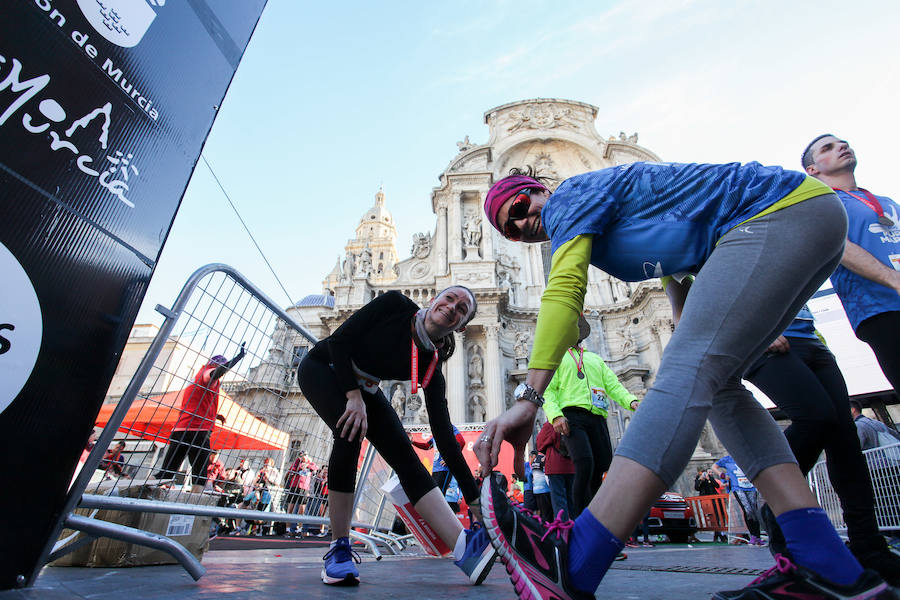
[535, 553]
[882, 561]
[787, 581]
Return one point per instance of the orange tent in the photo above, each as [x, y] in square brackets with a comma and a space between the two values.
[153, 418]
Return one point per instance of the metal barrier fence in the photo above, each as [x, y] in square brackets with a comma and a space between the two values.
[213, 424]
[884, 468]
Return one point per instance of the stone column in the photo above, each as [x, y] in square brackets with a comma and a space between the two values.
[440, 238]
[455, 375]
[454, 228]
[493, 378]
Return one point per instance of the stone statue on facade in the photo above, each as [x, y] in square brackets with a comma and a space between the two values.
[476, 366]
[478, 408]
[465, 145]
[472, 230]
[523, 343]
[398, 400]
[364, 266]
[349, 265]
[421, 245]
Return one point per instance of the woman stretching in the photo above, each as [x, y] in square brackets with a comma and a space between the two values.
[761, 240]
[392, 338]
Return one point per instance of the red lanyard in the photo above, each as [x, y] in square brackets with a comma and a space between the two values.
[579, 362]
[415, 368]
[872, 202]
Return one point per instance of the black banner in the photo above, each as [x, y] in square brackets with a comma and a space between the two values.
[104, 108]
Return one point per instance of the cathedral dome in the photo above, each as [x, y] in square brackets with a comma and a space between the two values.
[377, 221]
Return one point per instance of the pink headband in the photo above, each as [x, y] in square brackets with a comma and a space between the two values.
[502, 191]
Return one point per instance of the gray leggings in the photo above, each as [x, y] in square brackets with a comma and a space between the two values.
[747, 292]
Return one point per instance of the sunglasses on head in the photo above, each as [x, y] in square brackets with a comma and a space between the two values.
[518, 209]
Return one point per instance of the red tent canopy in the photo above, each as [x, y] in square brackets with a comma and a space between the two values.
[152, 418]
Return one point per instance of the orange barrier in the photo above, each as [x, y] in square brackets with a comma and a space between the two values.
[711, 512]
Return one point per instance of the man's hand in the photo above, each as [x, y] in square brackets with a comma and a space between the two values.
[561, 425]
[514, 426]
[243, 350]
[353, 420]
[780, 345]
[634, 404]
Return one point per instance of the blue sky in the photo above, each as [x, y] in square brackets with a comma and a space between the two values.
[333, 100]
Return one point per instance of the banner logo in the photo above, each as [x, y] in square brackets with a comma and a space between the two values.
[21, 328]
[122, 22]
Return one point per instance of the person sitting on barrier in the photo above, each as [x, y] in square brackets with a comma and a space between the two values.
[215, 473]
[801, 376]
[199, 412]
[761, 240]
[239, 483]
[113, 462]
[392, 338]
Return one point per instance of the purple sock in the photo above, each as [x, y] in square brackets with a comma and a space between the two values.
[814, 544]
[592, 549]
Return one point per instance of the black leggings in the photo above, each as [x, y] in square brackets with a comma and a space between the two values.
[385, 432]
[193, 443]
[805, 383]
[880, 333]
[591, 451]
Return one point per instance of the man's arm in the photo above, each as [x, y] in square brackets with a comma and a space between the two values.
[222, 369]
[864, 264]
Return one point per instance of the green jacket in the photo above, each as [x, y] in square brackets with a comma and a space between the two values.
[567, 390]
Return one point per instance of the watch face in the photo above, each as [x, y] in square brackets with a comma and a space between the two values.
[519, 392]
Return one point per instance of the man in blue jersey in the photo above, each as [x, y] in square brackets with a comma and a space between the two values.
[868, 278]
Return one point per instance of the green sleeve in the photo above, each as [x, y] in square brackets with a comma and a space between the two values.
[615, 389]
[551, 399]
[562, 302]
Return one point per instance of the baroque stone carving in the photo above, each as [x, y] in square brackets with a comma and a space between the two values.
[628, 139]
[420, 270]
[541, 116]
[465, 145]
[523, 341]
[421, 245]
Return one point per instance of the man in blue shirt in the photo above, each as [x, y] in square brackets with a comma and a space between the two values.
[744, 493]
[868, 279]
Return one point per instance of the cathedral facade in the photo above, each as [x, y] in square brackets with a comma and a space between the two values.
[631, 322]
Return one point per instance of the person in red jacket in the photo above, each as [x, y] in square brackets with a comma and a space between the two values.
[558, 467]
[199, 413]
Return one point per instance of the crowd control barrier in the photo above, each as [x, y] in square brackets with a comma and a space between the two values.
[884, 468]
[154, 454]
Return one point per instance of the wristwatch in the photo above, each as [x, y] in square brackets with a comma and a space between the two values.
[526, 392]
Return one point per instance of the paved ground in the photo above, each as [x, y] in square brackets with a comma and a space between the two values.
[671, 572]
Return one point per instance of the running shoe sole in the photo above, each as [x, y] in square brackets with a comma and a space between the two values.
[348, 580]
[523, 577]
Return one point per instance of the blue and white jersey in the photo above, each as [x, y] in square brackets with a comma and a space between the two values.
[803, 325]
[739, 481]
[863, 298]
[655, 219]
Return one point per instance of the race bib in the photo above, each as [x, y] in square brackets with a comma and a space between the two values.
[598, 398]
[742, 479]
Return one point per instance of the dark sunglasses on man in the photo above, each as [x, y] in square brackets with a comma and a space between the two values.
[518, 209]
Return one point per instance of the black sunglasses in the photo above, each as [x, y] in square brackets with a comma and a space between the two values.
[518, 209]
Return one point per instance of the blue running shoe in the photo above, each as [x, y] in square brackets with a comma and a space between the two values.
[479, 556]
[339, 568]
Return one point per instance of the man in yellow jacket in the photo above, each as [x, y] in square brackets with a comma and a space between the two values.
[577, 403]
